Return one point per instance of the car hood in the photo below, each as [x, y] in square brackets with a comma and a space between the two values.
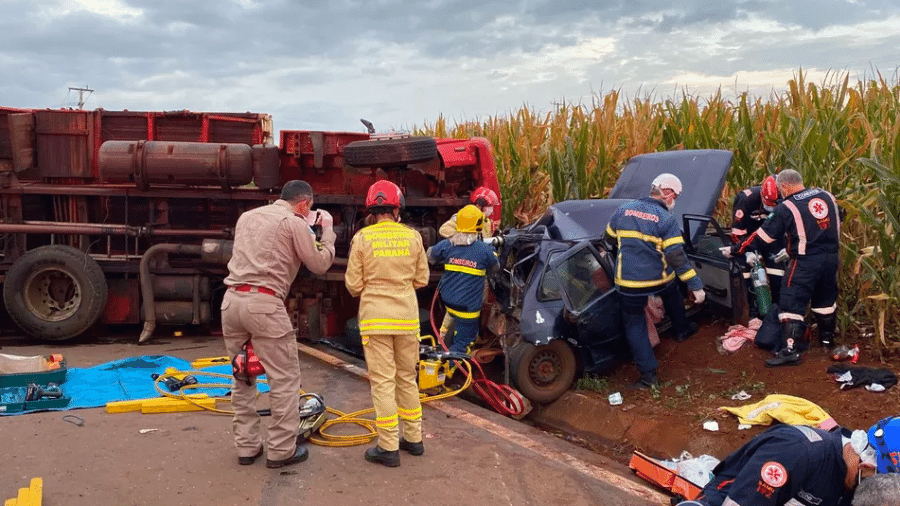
[702, 173]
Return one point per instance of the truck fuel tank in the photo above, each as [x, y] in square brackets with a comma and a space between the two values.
[182, 163]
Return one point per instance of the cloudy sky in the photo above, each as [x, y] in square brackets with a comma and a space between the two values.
[323, 64]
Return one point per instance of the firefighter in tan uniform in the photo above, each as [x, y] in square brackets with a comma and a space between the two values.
[270, 244]
[485, 200]
[385, 267]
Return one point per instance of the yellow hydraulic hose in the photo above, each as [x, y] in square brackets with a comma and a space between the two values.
[322, 437]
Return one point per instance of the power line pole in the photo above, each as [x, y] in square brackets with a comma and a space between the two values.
[81, 92]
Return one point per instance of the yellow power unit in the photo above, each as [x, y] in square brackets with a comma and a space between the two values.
[432, 373]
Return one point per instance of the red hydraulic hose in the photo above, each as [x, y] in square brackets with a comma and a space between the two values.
[496, 395]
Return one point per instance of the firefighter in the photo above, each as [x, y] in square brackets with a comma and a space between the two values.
[750, 208]
[650, 254]
[810, 220]
[791, 464]
[386, 266]
[485, 200]
[467, 261]
[270, 244]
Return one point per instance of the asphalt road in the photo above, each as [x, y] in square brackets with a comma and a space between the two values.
[473, 456]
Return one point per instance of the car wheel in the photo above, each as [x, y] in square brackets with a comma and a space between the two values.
[380, 152]
[55, 292]
[544, 372]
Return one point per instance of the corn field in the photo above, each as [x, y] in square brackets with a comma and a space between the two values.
[840, 136]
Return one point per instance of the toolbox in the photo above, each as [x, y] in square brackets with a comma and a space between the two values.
[16, 371]
[36, 377]
[15, 400]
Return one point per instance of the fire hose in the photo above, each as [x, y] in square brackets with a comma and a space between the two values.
[321, 438]
[502, 398]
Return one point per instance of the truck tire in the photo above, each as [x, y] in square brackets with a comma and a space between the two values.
[55, 292]
[544, 372]
[381, 152]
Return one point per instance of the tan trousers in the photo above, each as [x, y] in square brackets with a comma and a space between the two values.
[265, 319]
[392, 362]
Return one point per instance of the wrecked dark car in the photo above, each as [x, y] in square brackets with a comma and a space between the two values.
[557, 280]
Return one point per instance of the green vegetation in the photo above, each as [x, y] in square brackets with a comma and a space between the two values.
[840, 136]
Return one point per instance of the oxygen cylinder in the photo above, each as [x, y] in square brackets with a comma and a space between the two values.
[760, 284]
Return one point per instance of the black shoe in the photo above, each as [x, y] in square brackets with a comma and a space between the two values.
[648, 380]
[300, 454]
[246, 461]
[828, 344]
[377, 455]
[784, 357]
[683, 337]
[412, 448]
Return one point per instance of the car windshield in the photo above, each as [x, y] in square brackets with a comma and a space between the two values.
[582, 278]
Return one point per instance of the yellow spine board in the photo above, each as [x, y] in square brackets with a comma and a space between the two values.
[177, 406]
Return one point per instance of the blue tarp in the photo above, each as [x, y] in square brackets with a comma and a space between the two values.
[129, 379]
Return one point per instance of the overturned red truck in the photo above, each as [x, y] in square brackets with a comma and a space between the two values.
[123, 217]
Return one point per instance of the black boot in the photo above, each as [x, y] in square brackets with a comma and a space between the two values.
[648, 380]
[827, 324]
[791, 335]
[387, 458]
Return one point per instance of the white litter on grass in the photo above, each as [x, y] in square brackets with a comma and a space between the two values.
[741, 396]
[744, 426]
[615, 399]
[144, 431]
[712, 426]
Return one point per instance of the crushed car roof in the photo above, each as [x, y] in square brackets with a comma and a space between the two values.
[702, 173]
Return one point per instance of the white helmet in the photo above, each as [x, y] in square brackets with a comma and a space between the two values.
[667, 181]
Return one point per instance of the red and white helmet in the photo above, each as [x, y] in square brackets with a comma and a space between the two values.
[384, 193]
[487, 197]
[769, 192]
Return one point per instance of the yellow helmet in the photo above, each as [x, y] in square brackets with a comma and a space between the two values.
[469, 220]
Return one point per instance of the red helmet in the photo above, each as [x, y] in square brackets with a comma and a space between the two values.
[488, 196]
[384, 193]
[769, 192]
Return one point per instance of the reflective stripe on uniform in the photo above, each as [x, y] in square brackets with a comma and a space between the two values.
[410, 414]
[644, 284]
[774, 272]
[387, 422]
[672, 241]
[610, 232]
[631, 234]
[790, 316]
[801, 229]
[388, 324]
[468, 315]
[825, 310]
[463, 269]
[687, 275]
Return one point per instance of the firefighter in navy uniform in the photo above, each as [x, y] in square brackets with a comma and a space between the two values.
[750, 209]
[385, 267]
[650, 255]
[467, 261]
[791, 465]
[485, 200]
[809, 220]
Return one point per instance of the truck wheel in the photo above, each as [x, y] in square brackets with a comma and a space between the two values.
[55, 292]
[542, 373]
[378, 152]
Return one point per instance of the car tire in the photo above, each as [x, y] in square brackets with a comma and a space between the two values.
[55, 292]
[382, 152]
[542, 372]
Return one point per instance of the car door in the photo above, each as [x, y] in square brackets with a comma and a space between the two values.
[585, 278]
[723, 278]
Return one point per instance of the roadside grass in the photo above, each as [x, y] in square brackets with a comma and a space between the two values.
[592, 383]
[745, 385]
